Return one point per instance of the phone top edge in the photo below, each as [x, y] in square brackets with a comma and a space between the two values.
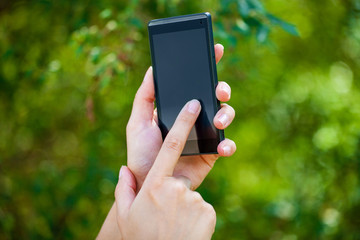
[181, 18]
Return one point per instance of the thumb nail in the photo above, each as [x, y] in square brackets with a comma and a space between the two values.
[121, 171]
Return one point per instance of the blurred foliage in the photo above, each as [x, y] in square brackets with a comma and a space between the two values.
[69, 71]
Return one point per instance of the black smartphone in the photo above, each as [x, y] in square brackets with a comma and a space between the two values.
[184, 68]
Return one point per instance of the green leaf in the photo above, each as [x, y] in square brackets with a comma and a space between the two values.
[243, 8]
[262, 33]
[241, 27]
[288, 27]
[274, 20]
[256, 5]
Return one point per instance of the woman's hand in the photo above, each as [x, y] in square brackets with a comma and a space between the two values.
[165, 207]
[144, 137]
[144, 142]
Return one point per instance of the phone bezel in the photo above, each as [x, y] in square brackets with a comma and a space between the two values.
[181, 23]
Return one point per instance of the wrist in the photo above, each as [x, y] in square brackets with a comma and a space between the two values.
[110, 228]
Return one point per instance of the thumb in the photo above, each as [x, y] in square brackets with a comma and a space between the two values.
[143, 106]
[125, 192]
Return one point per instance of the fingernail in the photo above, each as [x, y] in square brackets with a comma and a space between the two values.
[147, 72]
[121, 171]
[227, 90]
[227, 150]
[223, 119]
[193, 106]
[222, 47]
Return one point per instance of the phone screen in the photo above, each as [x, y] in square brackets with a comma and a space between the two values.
[183, 73]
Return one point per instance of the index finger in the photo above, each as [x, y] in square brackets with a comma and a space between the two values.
[175, 141]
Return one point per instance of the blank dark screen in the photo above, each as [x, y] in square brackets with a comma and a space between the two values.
[183, 73]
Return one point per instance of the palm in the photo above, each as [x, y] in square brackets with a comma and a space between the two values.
[143, 147]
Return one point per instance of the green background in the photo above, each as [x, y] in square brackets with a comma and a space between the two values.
[69, 71]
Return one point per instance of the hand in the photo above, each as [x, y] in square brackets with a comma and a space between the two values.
[144, 137]
[165, 207]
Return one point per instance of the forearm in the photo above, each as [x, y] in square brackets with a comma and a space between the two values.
[110, 229]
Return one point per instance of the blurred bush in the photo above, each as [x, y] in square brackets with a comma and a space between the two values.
[69, 71]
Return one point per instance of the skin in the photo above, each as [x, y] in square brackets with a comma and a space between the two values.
[165, 205]
[144, 137]
[144, 142]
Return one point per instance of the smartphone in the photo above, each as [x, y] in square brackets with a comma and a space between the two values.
[184, 68]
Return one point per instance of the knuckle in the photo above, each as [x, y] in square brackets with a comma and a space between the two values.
[198, 198]
[173, 143]
[208, 209]
[179, 187]
[152, 194]
[210, 213]
[153, 190]
[154, 185]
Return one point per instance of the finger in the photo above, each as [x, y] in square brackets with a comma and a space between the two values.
[143, 105]
[185, 180]
[219, 51]
[125, 192]
[223, 92]
[224, 116]
[175, 140]
[226, 148]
